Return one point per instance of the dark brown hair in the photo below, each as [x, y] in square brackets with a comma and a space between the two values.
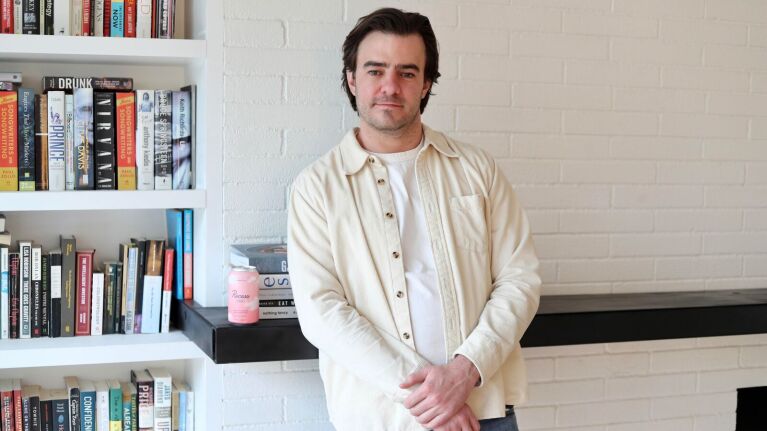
[392, 21]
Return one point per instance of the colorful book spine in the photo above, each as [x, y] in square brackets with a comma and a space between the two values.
[84, 289]
[126, 142]
[56, 141]
[117, 18]
[61, 17]
[83, 138]
[70, 83]
[60, 408]
[188, 253]
[145, 154]
[45, 297]
[26, 140]
[36, 292]
[167, 290]
[144, 19]
[181, 140]
[87, 18]
[145, 395]
[115, 406]
[97, 304]
[41, 142]
[163, 139]
[151, 310]
[87, 406]
[25, 256]
[129, 19]
[4, 290]
[129, 394]
[104, 133]
[175, 226]
[13, 294]
[9, 163]
[107, 18]
[68, 285]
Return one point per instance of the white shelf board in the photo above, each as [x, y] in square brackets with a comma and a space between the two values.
[98, 349]
[101, 200]
[90, 49]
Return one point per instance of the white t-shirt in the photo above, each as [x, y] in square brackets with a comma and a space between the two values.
[426, 316]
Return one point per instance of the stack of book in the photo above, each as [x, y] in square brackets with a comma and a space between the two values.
[94, 133]
[275, 296]
[108, 18]
[152, 400]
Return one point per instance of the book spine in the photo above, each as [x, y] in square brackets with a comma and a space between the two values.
[13, 295]
[9, 165]
[87, 17]
[127, 416]
[163, 111]
[61, 17]
[88, 411]
[162, 402]
[45, 297]
[74, 408]
[30, 24]
[269, 313]
[117, 18]
[34, 412]
[144, 18]
[268, 294]
[98, 18]
[181, 144]
[182, 409]
[130, 298]
[104, 133]
[102, 407]
[109, 305]
[76, 18]
[17, 17]
[139, 297]
[274, 281]
[41, 144]
[6, 16]
[118, 298]
[69, 291]
[6, 398]
[167, 290]
[145, 157]
[4, 298]
[84, 289]
[26, 414]
[55, 273]
[35, 300]
[17, 403]
[56, 141]
[84, 138]
[163, 30]
[189, 410]
[97, 304]
[188, 253]
[115, 407]
[25, 256]
[152, 304]
[26, 140]
[126, 142]
[145, 397]
[60, 409]
[175, 225]
[130, 18]
[69, 142]
[48, 17]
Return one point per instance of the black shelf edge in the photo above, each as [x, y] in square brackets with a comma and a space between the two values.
[561, 320]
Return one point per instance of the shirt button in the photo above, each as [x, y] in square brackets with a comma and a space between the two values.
[389, 215]
[371, 160]
[406, 336]
[381, 181]
[400, 294]
[395, 254]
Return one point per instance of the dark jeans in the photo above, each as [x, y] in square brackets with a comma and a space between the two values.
[509, 423]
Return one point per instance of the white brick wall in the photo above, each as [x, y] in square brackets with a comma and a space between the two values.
[635, 131]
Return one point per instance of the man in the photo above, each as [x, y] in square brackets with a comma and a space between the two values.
[413, 268]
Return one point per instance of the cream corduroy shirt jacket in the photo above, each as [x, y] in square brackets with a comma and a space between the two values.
[349, 285]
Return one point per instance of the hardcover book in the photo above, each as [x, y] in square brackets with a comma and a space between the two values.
[13, 294]
[54, 259]
[76, 18]
[60, 406]
[41, 142]
[115, 405]
[47, 17]
[126, 142]
[73, 392]
[104, 133]
[163, 139]
[56, 140]
[36, 292]
[87, 17]
[68, 285]
[70, 83]
[188, 253]
[182, 140]
[84, 139]
[31, 12]
[144, 19]
[192, 90]
[140, 272]
[69, 142]
[25, 267]
[129, 18]
[98, 18]
[175, 225]
[151, 309]
[167, 290]
[9, 164]
[84, 289]
[26, 140]
[163, 385]
[145, 394]
[145, 157]
[6, 404]
[274, 281]
[267, 258]
[87, 406]
[45, 297]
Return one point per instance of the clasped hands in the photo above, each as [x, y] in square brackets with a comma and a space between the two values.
[439, 403]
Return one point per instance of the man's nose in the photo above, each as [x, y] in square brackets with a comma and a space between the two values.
[390, 84]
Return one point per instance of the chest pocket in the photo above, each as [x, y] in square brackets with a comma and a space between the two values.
[469, 224]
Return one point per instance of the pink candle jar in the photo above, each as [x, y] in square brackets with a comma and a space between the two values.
[242, 290]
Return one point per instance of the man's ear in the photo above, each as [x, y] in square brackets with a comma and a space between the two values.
[426, 88]
[351, 82]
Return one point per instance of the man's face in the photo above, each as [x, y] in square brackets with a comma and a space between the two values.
[389, 80]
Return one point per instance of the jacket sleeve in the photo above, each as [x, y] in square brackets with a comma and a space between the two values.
[516, 285]
[327, 320]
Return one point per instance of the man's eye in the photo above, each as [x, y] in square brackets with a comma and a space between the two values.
[408, 75]
[374, 72]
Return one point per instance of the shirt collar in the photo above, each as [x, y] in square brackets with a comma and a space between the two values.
[353, 156]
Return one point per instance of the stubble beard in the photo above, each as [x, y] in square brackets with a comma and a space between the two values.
[387, 124]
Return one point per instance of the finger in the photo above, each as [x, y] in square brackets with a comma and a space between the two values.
[437, 421]
[415, 378]
[428, 416]
[422, 407]
[415, 398]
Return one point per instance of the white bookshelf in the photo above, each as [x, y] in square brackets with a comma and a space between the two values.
[103, 219]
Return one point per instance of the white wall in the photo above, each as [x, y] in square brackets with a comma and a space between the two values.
[635, 132]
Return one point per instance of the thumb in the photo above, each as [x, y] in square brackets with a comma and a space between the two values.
[415, 378]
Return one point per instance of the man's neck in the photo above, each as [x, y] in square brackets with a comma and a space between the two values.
[395, 142]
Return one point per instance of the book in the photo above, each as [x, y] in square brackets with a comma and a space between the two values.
[175, 225]
[131, 275]
[72, 385]
[47, 20]
[192, 90]
[17, 402]
[87, 405]
[187, 396]
[69, 142]
[104, 134]
[112, 287]
[151, 309]
[115, 405]
[13, 295]
[4, 299]
[46, 410]
[98, 18]
[56, 140]
[84, 290]
[6, 404]
[107, 18]
[25, 289]
[129, 18]
[188, 253]
[68, 285]
[126, 143]
[76, 20]
[97, 304]
[6, 16]
[83, 144]
[102, 405]
[269, 303]
[145, 394]
[144, 19]
[26, 139]
[163, 139]
[267, 258]
[97, 83]
[117, 18]
[41, 142]
[17, 17]
[145, 156]
[87, 18]
[45, 297]
[274, 281]
[164, 19]
[36, 292]
[175, 402]
[270, 313]
[167, 290]
[61, 17]
[54, 260]
[60, 406]
[163, 385]
[181, 140]
[141, 244]
[9, 164]
[129, 400]
[275, 294]
[26, 414]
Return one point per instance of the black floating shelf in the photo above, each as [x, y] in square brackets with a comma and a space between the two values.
[561, 320]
